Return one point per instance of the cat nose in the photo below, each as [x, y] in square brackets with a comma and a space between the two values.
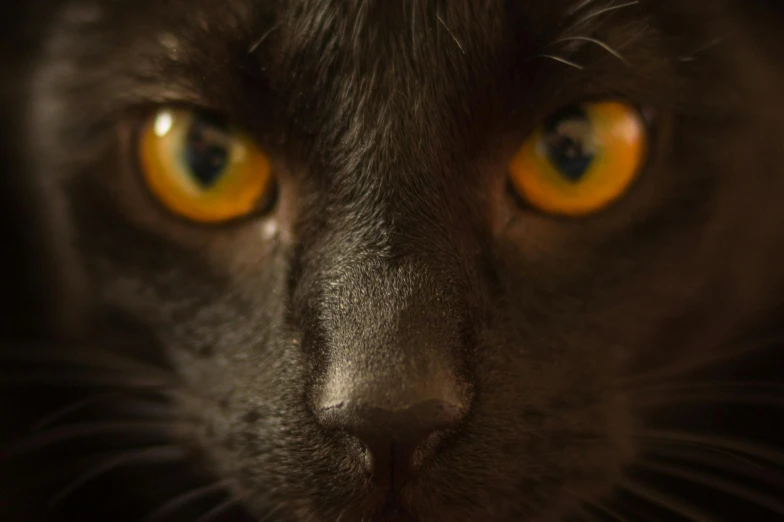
[393, 435]
[388, 373]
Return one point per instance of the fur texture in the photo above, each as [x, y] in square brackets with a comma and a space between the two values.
[601, 361]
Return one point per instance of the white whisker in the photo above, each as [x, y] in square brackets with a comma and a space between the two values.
[562, 60]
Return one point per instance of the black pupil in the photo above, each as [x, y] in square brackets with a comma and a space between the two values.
[568, 143]
[206, 149]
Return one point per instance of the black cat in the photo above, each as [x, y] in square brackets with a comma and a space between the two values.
[424, 261]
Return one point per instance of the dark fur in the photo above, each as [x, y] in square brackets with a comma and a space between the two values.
[395, 247]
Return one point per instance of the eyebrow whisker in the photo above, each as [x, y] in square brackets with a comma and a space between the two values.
[438, 17]
[562, 60]
[579, 7]
[600, 43]
[602, 11]
[263, 37]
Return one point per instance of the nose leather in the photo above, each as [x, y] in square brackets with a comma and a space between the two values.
[391, 436]
[389, 339]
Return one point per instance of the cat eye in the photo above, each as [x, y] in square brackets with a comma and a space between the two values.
[202, 169]
[581, 159]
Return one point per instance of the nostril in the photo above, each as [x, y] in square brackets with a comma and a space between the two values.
[405, 425]
[391, 436]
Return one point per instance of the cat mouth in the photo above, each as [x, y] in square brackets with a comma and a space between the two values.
[391, 475]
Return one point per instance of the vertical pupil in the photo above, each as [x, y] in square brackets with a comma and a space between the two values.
[206, 151]
[568, 143]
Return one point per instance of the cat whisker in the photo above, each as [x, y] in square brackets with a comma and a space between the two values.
[596, 505]
[721, 462]
[187, 498]
[655, 497]
[341, 514]
[706, 397]
[155, 454]
[75, 407]
[220, 508]
[579, 7]
[710, 454]
[60, 379]
[715, 357]
[272, 513]
[87, 430]
[601, 44]
[253, 48]
[441, 21]
[562, 60]
[716, 484]
[759, 451]
[632, 39]
[714, 385]
[124, 396]
[695, 53]
[604, 10]
[81, 357]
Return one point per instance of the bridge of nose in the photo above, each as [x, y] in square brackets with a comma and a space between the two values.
[390, 375]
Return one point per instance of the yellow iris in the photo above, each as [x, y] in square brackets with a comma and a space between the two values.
[201, 169]
[582, 159]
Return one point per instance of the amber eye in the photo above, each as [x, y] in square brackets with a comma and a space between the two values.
[200, 168]
[581, 159]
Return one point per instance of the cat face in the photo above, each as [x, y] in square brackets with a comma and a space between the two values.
[397, 326]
